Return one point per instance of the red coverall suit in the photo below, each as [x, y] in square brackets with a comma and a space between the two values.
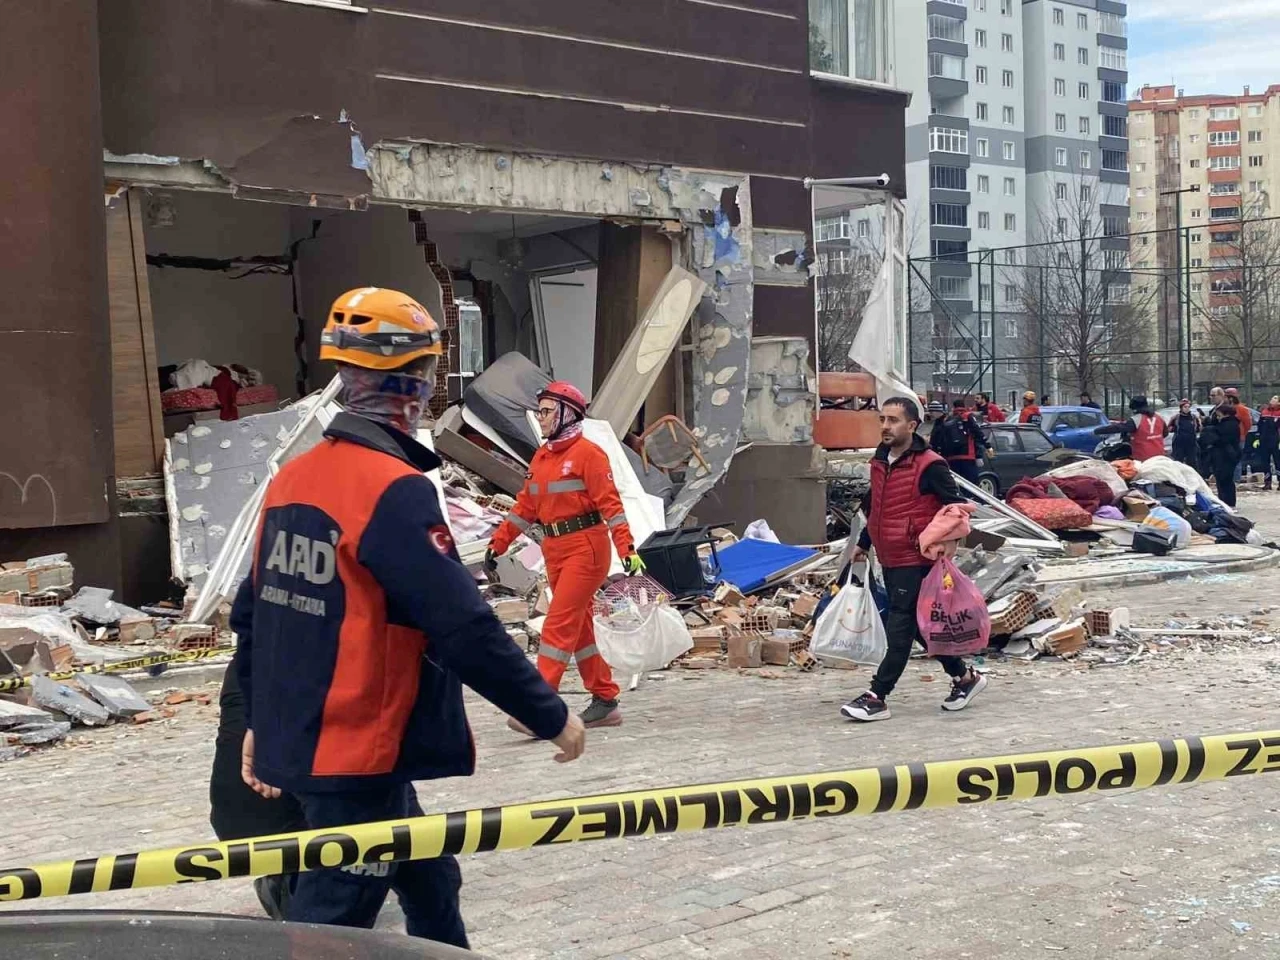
[563, 485]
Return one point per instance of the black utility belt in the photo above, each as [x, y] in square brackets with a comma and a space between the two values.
[583, 522]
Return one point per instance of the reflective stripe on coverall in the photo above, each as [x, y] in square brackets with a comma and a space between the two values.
[563, 484]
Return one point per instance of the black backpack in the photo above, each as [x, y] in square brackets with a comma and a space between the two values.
[953, 441]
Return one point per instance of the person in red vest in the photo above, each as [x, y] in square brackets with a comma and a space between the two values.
[1245, 419]
[1030, 409]
[909, 485]
[1144, 431]
[987, 410]
[961, 440]
[1269, 437]
[570, 492]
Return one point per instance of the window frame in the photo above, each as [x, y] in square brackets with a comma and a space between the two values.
[959, 137]
[883, 34]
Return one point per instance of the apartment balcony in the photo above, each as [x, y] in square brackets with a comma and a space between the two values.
[1112, 26]
[947, 8]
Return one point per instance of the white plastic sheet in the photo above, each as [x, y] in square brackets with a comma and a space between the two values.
[1164, 470]
[760, 530]
[642, 638]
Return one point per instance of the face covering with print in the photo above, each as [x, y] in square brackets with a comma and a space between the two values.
[393, 397]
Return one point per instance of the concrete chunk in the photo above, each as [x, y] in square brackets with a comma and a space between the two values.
[120, 699]
[94, 605]
[13, 714]
[61, 698]
[35, 732]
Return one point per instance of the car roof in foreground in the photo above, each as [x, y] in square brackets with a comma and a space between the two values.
[122, 935]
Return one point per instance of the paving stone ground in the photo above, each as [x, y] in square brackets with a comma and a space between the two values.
[1178, 873]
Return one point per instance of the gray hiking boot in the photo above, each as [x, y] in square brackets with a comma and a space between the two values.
[601, 713]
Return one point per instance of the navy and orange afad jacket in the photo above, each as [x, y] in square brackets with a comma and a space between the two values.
[359, 625]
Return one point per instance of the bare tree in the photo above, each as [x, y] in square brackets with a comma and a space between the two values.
[1079, 310]
[1242, 323]
[844, 285]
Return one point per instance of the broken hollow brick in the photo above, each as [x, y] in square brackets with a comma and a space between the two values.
[744, 651]
[776, 652]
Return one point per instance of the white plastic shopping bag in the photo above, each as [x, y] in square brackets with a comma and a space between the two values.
[850, 628]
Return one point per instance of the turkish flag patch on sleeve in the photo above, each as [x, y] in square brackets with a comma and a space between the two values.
[441, 539]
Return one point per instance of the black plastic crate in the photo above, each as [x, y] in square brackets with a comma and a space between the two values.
[671, 558]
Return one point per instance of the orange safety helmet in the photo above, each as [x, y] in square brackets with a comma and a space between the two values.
[379, 329]
[566, 393]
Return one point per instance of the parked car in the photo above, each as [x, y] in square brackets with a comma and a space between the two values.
[151, 935]
[1021, 450]
[1073, 426]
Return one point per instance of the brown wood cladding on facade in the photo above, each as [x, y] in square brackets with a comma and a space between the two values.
[669, 81]
[55, 441]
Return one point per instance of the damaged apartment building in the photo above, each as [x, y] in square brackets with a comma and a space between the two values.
[188, 186]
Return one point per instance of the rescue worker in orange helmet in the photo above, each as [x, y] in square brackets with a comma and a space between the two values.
[569, 490]
[358, 626]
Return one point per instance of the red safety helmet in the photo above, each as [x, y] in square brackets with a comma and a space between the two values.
[565, 393]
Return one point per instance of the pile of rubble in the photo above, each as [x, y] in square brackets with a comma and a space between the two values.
[59, 646]
[743, 632]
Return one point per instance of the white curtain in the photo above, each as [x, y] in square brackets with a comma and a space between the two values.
[829, 35]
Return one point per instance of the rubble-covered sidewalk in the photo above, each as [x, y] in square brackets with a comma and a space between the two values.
[62, 649]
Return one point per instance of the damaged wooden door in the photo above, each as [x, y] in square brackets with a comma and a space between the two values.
[645, 353]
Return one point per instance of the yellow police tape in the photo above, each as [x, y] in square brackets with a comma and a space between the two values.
[885, 789]
[120, 666]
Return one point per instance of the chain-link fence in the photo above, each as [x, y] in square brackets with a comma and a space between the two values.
[1163, 314]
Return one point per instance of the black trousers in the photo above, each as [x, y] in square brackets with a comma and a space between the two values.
[1184, 451]
[965, 468]
[1224, 471]
[903, 586]
[1269, 455]
[235, 811]
[352, 896]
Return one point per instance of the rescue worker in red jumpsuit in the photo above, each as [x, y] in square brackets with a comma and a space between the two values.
[569, 491]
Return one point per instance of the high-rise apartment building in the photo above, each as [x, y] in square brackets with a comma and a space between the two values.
[1206, 158]
[1018, 113]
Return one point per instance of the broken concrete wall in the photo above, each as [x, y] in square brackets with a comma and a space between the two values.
[716, 211]
[781, 398]
[445, 175]
[211, 470]
[375, 248]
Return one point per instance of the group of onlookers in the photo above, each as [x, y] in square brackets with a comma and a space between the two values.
[1215, 441]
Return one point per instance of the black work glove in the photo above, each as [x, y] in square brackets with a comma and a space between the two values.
[490, 561]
